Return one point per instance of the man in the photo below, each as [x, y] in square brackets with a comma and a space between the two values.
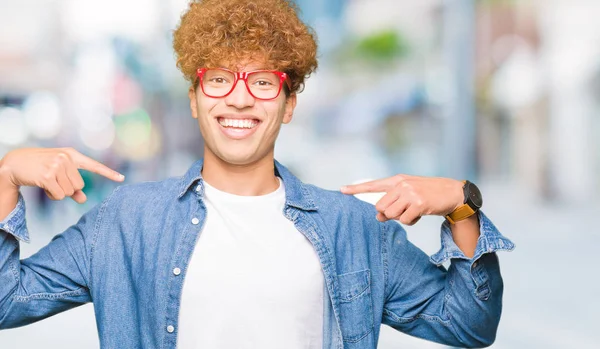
[238, 253]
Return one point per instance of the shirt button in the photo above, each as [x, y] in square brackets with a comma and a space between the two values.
[170, 329]
[195, 221]
[198, 188]
[176, 271]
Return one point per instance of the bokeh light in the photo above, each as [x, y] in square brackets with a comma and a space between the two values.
[13, 127]
[43, 115]
[100, 138]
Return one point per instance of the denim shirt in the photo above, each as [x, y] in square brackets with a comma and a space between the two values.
[129, 256]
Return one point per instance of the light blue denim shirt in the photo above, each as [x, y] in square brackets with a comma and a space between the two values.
[129, 256]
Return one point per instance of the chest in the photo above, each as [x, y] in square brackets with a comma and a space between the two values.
[260, 254]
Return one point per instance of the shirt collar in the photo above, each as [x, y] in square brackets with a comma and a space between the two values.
[296, 193]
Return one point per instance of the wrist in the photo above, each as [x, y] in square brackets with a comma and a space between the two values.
[6, 184]
[460, 196]
[471, 220]
[470, 205]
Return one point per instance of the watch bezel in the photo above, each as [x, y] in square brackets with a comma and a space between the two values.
[473, 196]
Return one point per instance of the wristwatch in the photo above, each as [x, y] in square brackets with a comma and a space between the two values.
[472, 204]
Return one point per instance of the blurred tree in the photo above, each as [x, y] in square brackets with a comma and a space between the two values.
[382, 46]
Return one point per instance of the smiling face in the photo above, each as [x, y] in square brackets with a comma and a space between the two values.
[239, 129]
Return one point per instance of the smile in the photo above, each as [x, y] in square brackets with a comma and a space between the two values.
[238, 123]
[238, 128]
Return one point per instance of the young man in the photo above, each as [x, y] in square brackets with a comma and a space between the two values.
[238, 253]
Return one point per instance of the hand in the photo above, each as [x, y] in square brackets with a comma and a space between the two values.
[54, 169]
[408, 198]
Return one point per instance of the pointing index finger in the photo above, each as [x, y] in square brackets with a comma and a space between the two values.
[85, 163]
[376, 186]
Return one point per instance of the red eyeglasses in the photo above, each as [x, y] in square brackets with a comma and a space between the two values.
[261, 84]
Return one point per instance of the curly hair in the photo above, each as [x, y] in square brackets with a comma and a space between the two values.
[217, 33]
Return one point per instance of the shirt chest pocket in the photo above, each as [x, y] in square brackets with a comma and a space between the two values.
[356, 308]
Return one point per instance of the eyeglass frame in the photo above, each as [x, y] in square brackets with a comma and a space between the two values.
[237, 76]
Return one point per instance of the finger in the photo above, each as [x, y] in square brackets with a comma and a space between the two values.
[74, 177]
[388, 199]
[411, 215]
[77, 183]
[85, 163]
[395, 210]
[414, 221]
[381, 217]
[79, 197]
[64, 182]
[376, 186]
[52, 189]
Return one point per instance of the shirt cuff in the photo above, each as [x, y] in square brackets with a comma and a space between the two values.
[490, 240]
[15, 223]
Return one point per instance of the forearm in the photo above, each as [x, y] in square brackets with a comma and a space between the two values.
[9, 280]
[460, 306]
[465, 234]
[48, 282]
[12, 227]
[474, 299]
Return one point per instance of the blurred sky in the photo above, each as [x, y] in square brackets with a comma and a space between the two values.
[505, 93]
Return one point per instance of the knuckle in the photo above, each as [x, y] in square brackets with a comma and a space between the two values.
[62, 157]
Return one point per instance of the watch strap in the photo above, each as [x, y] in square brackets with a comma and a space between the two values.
[463, 212]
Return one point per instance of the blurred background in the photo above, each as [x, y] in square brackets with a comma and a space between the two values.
[505, 93]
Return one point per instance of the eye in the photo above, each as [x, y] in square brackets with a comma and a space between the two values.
[263, 83]
[218, 80]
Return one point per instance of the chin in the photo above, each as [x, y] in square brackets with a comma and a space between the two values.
[238, 155]
[239, 159]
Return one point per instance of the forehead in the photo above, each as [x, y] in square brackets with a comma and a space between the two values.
[246, 65]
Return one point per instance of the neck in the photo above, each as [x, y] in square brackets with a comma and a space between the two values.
[253, 179]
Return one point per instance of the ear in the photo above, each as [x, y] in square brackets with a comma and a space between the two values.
[290, 105]
[193, 102]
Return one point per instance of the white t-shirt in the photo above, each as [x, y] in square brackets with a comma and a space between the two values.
[254, 281]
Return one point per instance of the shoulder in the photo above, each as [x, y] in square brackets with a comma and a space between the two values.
[143, 195]
[333, 204]
[150, 188]
[334, 201]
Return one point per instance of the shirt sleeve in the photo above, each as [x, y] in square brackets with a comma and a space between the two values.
[52, 280]
[459, 306]
[15, 224]
[490, 240]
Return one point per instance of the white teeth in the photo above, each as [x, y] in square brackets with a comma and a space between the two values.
[237, 123]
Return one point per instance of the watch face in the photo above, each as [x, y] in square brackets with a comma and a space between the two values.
[475, 195]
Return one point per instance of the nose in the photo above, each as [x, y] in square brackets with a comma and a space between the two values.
[240, 98]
